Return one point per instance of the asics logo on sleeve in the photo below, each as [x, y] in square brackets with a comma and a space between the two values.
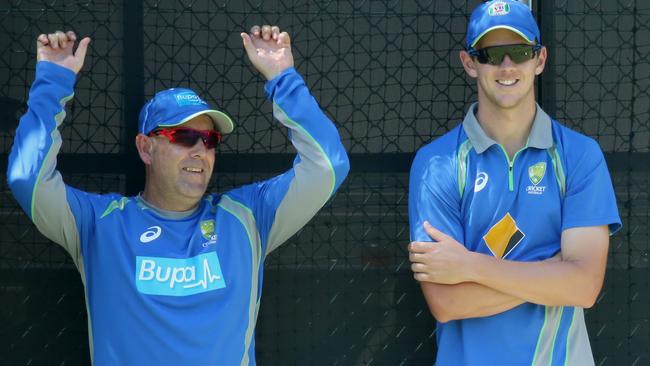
[481, 181]
[151, 234]
[178, 276]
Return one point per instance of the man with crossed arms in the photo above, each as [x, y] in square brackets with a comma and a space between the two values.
[510, 212]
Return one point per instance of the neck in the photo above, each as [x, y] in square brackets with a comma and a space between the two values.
[508, 127]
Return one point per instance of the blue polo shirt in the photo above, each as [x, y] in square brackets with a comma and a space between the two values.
[465, 185]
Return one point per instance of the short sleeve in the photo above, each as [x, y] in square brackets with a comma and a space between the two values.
[434, 195]
[590, 199]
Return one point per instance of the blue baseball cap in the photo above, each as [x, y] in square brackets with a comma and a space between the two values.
[176, 106]
[502, 14]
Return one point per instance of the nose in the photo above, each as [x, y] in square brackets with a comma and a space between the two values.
[199, 149]
[507, 62]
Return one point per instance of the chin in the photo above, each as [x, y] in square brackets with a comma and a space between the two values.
[193, 192]
[508, 103]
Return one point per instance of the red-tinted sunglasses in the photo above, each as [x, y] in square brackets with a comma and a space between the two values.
[188, 136]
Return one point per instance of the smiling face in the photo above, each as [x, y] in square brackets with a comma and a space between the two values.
[508, 85]
[177, 176]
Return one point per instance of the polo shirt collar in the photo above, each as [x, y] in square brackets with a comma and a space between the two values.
[172, 215]
[541, 134]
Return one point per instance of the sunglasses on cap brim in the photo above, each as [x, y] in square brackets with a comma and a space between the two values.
[188, 136]
[494, 55]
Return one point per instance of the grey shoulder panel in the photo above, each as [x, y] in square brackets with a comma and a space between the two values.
[51, 212]
[309, 190]
[246, 218]
[578, 347]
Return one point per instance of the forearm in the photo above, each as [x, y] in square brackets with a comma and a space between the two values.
[314, 136]
[322, 163]
[465, 300]
[554, 283]
[33, 155]
[32, 176]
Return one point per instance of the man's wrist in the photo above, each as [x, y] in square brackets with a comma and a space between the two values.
[270, 85]
[271, 74]
[278, 74]
[54, 65]
[472, 266]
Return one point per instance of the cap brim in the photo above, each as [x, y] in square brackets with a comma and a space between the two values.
[222, 122]
[512, 29]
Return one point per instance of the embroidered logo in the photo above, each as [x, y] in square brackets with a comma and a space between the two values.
[207, 228]
[536, 174]
[503, 237]
[498, 8]
[207, 231]
[188, 98]
[480, 182]
[151, 234]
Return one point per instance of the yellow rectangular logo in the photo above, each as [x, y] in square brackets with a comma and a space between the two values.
[503, 237]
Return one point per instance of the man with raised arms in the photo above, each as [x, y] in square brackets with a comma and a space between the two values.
[173, 276]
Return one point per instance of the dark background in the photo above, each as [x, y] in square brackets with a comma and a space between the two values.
[387, 72]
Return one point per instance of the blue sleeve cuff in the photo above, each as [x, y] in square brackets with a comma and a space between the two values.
[56, 74]
[272, 85]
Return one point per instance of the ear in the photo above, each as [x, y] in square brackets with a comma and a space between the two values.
[145, 146]
[468, 64]
[541, 61]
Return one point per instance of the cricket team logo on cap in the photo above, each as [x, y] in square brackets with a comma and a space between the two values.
[188, 98]
[503, 237]
[536, 173]
[498, 8]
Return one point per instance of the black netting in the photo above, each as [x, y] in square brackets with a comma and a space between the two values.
[340, 292]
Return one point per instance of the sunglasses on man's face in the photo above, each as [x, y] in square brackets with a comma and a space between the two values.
[188, 136]
[494, 55]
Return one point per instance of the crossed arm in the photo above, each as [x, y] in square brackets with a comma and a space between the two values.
[459, 284]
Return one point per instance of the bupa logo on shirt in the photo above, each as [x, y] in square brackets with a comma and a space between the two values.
[188, 98]
[498, 8]
[178, 276]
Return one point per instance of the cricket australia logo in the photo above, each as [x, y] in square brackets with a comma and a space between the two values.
[536, 174]
[498, 8]
[207, 231]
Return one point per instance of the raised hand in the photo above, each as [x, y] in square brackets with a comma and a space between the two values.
[268, 49]
[58, 48]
